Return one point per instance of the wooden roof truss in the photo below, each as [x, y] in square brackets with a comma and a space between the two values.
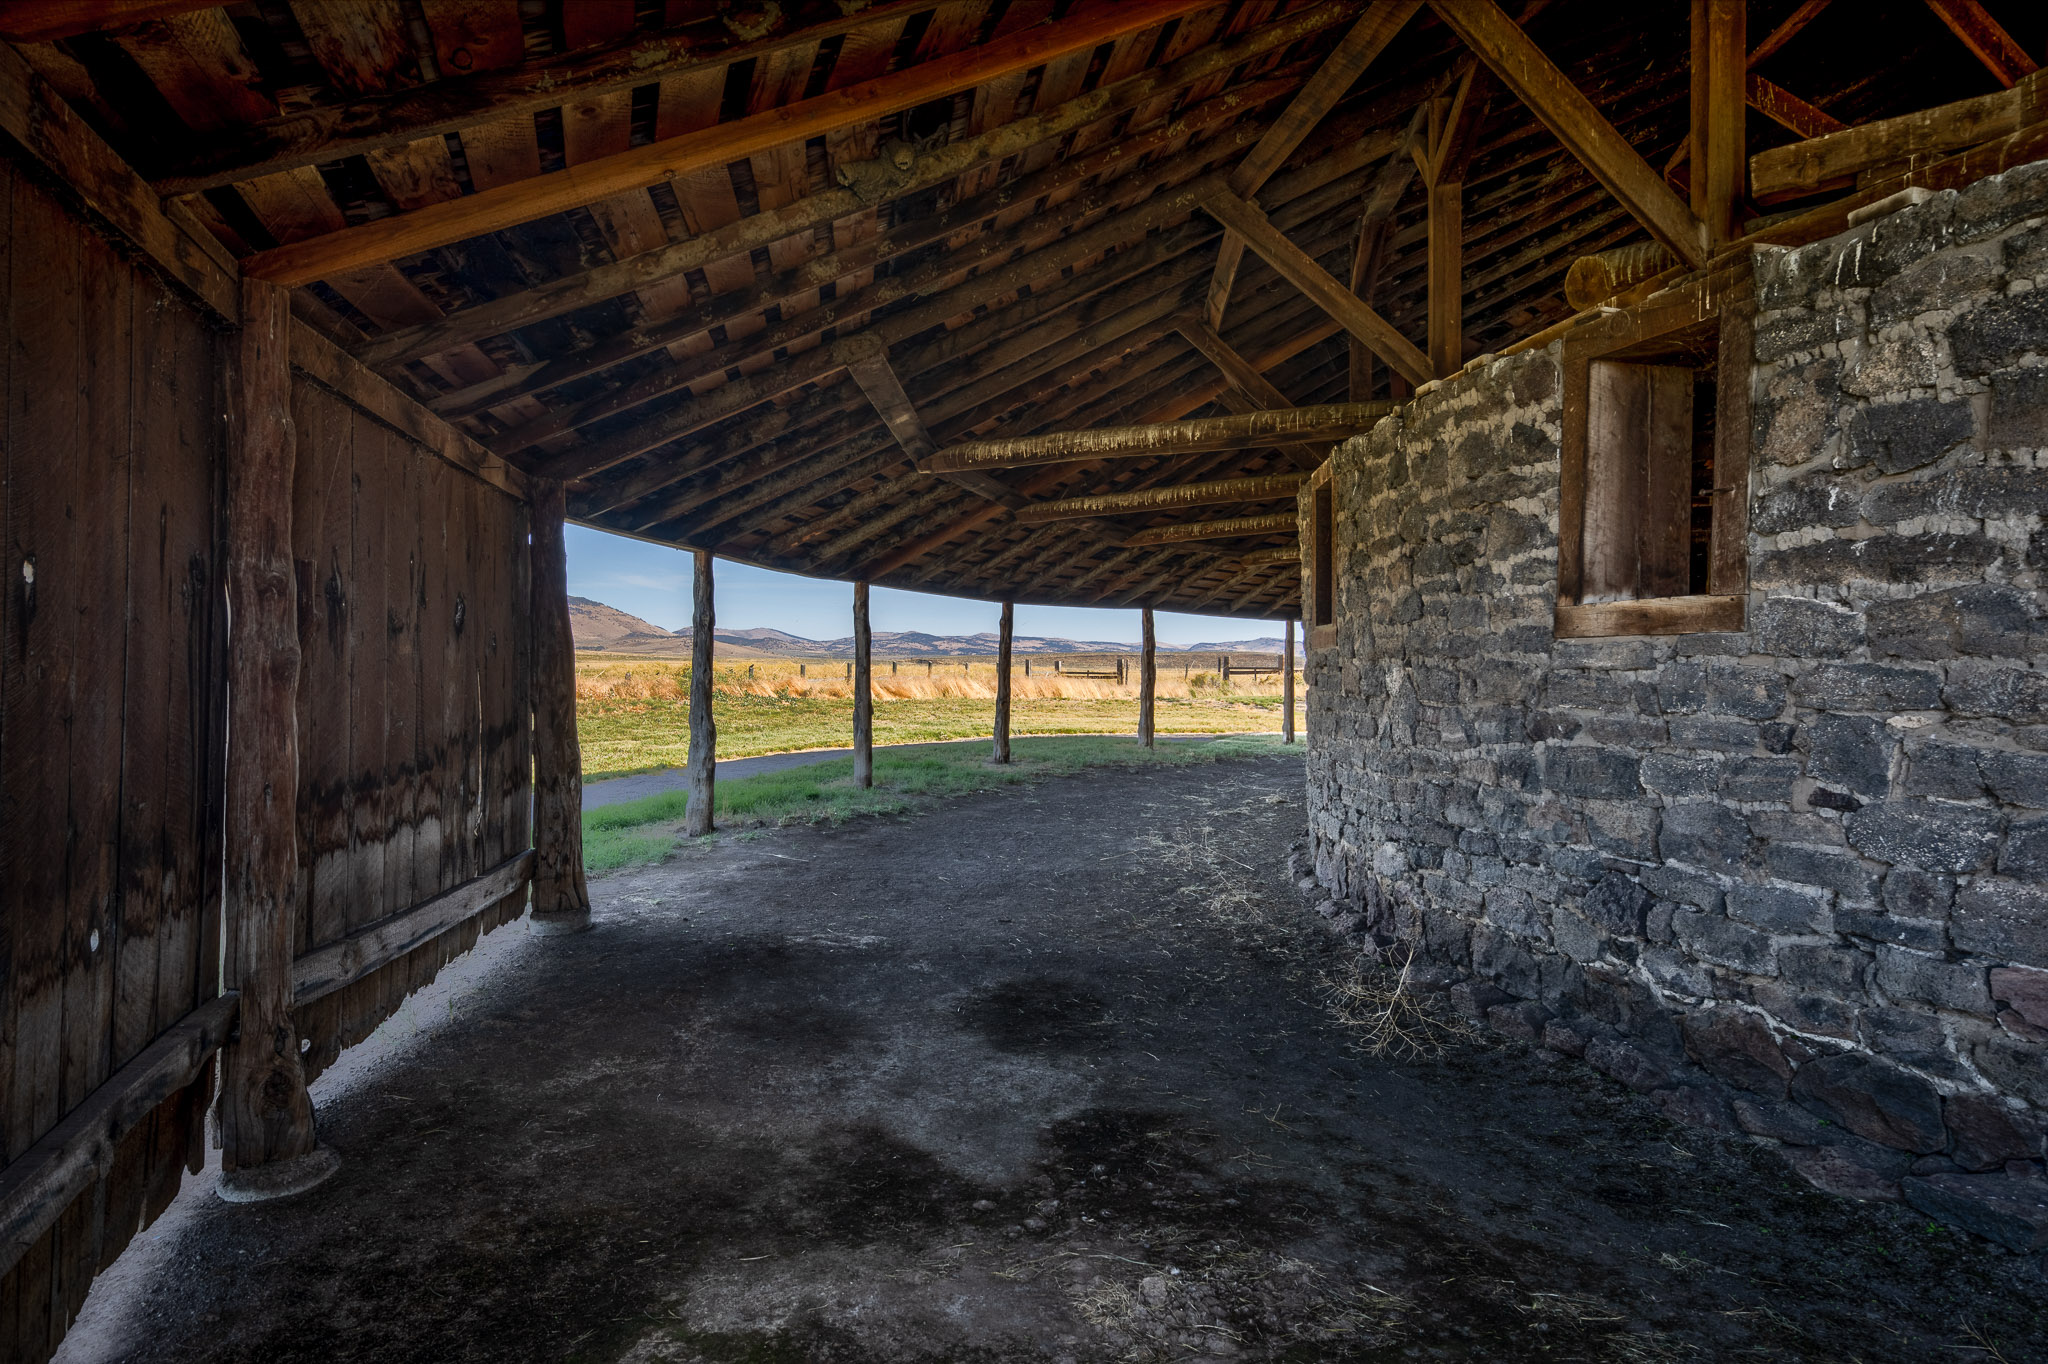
[882, 295]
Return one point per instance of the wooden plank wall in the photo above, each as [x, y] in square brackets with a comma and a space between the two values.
[414, 720]
[112, 635]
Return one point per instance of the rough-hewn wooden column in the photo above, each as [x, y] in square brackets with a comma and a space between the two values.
[268, 1147]
[1287, 687]
[1719, 152]
[1003, 633]
[703, 760]
[863, 692]
[561, 899]
[1148, 681]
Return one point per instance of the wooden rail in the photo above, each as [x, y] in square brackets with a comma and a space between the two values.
[327, 969]
[37, 1186]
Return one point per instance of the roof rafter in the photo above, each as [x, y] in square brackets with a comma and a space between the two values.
[523, 201]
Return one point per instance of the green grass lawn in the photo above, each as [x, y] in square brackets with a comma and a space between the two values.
[625, 735]
[635, 832]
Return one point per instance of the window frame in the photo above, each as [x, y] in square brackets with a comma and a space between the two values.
[1727, 299]
[1318, 559]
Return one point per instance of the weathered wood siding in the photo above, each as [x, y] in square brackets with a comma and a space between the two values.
[111, 641]
[413, 707]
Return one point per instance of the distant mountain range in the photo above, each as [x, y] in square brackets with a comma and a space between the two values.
[610, 630]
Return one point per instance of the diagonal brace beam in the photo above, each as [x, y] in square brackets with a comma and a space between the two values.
[1535, 80]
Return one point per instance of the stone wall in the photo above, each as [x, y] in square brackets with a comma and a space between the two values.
[1791, 878]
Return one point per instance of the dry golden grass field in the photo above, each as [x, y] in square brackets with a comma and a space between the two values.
[632, 713]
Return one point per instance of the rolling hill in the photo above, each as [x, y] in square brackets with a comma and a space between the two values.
[607, 629]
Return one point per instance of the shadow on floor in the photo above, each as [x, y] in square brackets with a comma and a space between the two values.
[1038, 1075]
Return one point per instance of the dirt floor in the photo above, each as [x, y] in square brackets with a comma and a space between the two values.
[1042, 1075]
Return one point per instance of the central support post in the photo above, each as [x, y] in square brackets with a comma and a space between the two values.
[1287, 686]
[863, 692]
[561, 899]
[1148, 679]
[1003, 633]
[268, 1147]
[703, 759]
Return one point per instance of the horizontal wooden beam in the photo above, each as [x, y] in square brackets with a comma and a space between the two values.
[1298, 268]
[944, 290]
[1243, 431]
[46, 21]
[323, 971]
[1277, 554]
[1593, 280]
[1183, 401]
[40, 1183]
[1652, 616]
[820, 362]
[524, 201]
[1803, 168]
[328, 365]
[38, 120]
[2023, 147]
[940, 166]
[1262, 489]
[1227, 529]
[1246, 378]
[607, 281]
[326, 133]
[1535, 80]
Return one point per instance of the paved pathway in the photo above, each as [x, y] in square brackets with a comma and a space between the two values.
[600, 793]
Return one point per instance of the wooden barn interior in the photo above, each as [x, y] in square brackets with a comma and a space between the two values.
[322, 316]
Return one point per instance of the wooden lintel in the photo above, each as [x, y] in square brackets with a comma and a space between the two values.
[1257, 489]
[1229, 528]
[1245, 431]
[1339, 71]
[1534, 79]
[366, 951]
[524, 201]
[1300, 269]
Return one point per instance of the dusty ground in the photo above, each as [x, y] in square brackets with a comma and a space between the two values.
[1040, 1075]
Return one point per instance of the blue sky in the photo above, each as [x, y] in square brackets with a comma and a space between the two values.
[653, 583]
